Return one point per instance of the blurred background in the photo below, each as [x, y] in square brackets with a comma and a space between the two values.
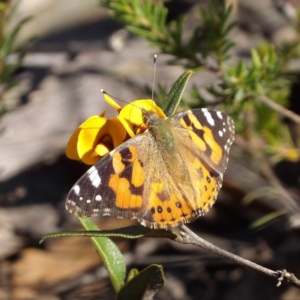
[73, 49]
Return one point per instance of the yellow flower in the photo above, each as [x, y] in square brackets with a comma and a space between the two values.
[97, 136]
[131, 115]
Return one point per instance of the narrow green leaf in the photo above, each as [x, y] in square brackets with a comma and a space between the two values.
[258, 193]
[130, 232]
[149, 13]
[7, 47]
[110, 254]
[136, 7]
[162, 13]
[144, 285]
[256, 59]
[172, 100]
[268, 218]
[240, 70]
[229, 27]
[227, 46]
[143, 33]
[178, 30]
[239, 95]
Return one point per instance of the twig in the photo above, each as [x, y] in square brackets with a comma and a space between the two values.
[282, 110]
[189, 237]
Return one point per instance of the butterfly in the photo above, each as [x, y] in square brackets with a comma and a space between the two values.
[164, 177]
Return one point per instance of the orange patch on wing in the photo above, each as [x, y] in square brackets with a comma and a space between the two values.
[132, 150]
[195, 137]
[197, 141]
[217, 152]
[195, 121]
[121, 188]
[176, 212]
[138, 177]
[124, 198]
[210, 188]
[156, 188]
[186, 207]
[138, 201]
[208, 139]
[117, 163]
[197, 163]
[197, 170]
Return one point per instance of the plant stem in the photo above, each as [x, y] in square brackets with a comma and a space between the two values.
[189, 237]
[282, 110]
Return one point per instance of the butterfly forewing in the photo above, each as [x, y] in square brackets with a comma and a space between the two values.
[212, 133]
[113, 186]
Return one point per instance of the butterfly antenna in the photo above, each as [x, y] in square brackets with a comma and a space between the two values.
[116, 98]
[154, 74]
[113, 97]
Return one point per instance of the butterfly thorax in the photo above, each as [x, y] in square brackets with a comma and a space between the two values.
[161, 129]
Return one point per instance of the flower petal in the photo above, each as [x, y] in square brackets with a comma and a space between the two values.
[71, 149]
[88, 138]
[99, 136]
[112, 102]
[101, 150]
[131, 115]
[116, 130]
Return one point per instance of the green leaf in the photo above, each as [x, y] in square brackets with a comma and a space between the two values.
[132, 273]
[7, 47]
[271, 217]
[144, 285]
[239, 95]
[110, 254]
[256, 59]
[142, 32]
[3, 110]
[130, 232]
[259, 193]
[172, 100]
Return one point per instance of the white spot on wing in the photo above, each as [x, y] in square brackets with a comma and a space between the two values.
[94, 177]
[98, 198]
[88, 201]
[220, 133]
[208, 116]
[91, 170]
[219, 114]
[76, 189]
[72, 203]
[106, 212]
